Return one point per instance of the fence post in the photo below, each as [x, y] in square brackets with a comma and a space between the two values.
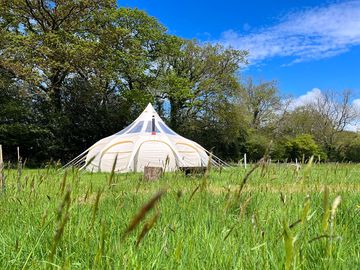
[245, 161]
[19, 170]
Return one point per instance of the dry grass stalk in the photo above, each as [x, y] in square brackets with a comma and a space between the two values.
[143, 211]
[95, 207]
[101, 250]
[244, 206]
[62, 219]
[112, 174]
[193, 193]
[63, 183]
[147, 227]
[242, 212]
[88, 162]
[247, 175]
[318, 237]
[283, 198]
[229, 232]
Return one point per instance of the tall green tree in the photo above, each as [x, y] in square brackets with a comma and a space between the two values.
[195, 77]
[44, 42]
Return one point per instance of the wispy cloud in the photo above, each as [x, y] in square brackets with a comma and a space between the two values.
[310, 34]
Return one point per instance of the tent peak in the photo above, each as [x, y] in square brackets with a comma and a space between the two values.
[149, 108]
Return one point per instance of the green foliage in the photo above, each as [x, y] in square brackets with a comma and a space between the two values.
[303, 146]
[256, 146]
[278, 150]
[82, 70]
[261, 101]
[349, 147]
[352, 151]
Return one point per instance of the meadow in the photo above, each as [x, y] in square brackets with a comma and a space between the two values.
[275, 216]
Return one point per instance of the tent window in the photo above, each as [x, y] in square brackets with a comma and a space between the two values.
[137, 128]
[149, 127]
[125, 129]
[166, 129]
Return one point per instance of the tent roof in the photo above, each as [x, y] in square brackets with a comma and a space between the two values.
[143, 124]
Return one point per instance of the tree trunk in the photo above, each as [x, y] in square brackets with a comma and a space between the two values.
[174, 113]
[56, 98]
[57, 80]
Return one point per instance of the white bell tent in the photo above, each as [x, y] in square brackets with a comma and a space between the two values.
[148, 141]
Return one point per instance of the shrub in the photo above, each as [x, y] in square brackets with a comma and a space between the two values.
[278, 151]
[303, 146]
[256, 146]
[352, 150]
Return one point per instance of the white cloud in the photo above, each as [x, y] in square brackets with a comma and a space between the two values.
[356, 104]
[316, 33]
[305, 99]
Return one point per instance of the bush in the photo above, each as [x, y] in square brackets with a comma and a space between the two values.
[303, 146]
[278, 151]
[351, 151]
[256, 146]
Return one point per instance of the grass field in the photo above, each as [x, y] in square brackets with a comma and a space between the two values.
[277, 218]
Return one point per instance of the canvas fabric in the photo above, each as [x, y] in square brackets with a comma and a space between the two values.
[138, 146]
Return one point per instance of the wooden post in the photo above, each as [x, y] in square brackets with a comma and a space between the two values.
[2, 177]
[19, 169]
[245, 161]
[152, 173]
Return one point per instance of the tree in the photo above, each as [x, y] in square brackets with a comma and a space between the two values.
[222, 130]
[336, 113]
[196, 77]
[301, 120]
[44, 42]
[325, 118]
[261, 101]
[85, 66]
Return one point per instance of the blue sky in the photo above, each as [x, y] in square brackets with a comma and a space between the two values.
[303, 45]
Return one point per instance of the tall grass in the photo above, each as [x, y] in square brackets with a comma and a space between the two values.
[273, 217]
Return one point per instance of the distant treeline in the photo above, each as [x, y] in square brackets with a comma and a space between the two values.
[73, 72]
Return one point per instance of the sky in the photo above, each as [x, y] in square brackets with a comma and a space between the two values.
[306, 46]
